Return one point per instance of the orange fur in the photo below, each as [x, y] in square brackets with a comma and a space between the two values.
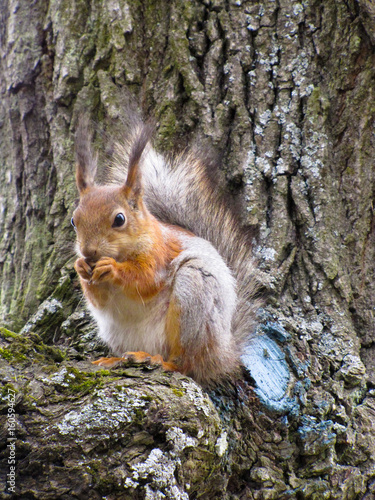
[138, 276]
[136, 357]
[173, 332]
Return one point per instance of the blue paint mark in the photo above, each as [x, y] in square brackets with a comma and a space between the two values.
[268, 367]
[276, 331]
[299, 367]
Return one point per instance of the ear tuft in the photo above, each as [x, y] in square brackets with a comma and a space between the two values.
[133, 184]
[86, 161]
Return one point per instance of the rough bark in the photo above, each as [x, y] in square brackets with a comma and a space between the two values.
[284, 91]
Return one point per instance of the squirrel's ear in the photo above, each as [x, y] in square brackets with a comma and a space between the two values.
[133, 187]
[86, 162]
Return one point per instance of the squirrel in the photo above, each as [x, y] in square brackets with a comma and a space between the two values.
[163, 263]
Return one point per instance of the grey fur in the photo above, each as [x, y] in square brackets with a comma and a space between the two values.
[205, 290]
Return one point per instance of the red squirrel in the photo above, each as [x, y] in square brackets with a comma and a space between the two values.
[153, 280]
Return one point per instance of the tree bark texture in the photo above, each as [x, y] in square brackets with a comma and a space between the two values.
[284, 91]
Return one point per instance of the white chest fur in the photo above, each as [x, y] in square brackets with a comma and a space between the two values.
[129, 325]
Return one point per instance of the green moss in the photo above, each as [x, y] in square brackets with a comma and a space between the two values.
[7, 333]
[103, 373]
[63, 290]
[12, 354]
[76, 382]
[167, 130]
[50, 353]
[22, 348]
[4, 391]
[5, 353]
[146, 397]
[84, 386]
[318, 104]
[178, 392]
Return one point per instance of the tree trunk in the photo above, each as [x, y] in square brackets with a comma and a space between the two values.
[284, 92]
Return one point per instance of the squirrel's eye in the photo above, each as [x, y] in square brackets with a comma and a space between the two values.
[72, 222]
[119, 220]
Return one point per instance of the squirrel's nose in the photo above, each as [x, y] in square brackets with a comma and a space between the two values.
[90, 254]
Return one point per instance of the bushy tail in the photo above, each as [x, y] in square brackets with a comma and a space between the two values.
[182, 191]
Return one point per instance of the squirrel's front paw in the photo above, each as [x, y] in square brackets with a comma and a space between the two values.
[83, 269]
[105, 270]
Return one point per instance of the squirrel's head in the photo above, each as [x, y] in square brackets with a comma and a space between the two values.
[110, 221]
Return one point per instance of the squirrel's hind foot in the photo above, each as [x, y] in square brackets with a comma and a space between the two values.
[136, 357]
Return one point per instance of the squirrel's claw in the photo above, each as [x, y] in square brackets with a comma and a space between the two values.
[144, 357]
[83, 269]
[104, 270]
